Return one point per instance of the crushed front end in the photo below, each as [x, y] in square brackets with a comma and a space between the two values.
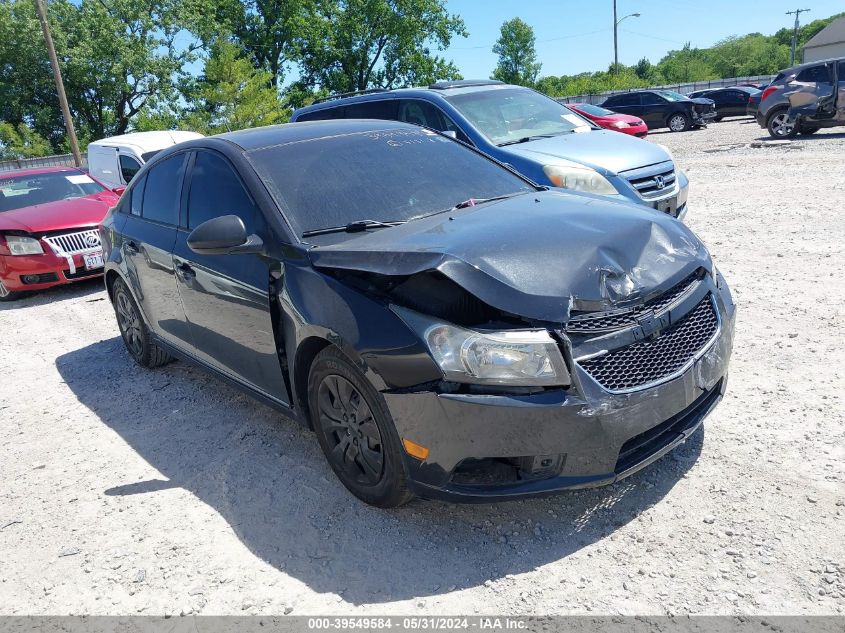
[643, 379]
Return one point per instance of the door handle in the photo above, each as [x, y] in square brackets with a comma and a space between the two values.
[131, 247]
[186, 272]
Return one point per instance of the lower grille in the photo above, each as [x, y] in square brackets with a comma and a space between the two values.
[642, 446]
[592, 323]
[80, 273]
[649, 362]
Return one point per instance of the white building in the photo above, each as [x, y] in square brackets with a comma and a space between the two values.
[827, 43]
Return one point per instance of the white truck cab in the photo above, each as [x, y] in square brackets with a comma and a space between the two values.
[115, 160]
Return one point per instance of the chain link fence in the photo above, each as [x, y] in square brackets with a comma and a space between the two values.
[684, 88]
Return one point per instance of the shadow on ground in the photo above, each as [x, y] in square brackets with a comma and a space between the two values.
[265, 475]
[56, 293]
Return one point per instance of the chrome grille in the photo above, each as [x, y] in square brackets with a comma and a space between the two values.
[656, 360]
[74, 243]
[596, 322]
[655, 185]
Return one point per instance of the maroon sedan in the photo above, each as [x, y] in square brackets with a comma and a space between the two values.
[611, 120]
[48, 228]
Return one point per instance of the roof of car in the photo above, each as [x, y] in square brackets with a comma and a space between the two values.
[799, 67]
[156, 139]
[261, 137]
[441, 88]
[34, 171]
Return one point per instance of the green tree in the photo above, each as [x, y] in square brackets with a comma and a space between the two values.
[365, 44]
[232, 94]
[517, 57]
[19, 141]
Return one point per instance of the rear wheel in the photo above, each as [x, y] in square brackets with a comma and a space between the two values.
[134, 331]
[780, 125]
[8, 295]
[678, 122]
[355, 431]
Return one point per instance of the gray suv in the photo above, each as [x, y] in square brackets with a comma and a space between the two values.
[530, 133]
[802, 99]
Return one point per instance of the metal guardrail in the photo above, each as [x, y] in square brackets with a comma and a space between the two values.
[684, 88]
[59, 160]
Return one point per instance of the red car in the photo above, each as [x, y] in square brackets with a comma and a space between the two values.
[48, 228]
[611, 120]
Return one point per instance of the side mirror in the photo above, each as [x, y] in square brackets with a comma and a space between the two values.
[119, 190]
[223, 235]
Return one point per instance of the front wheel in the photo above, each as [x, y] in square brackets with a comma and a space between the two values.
[134, 331]
[781, 126]
[8, 295]
[679, 122]
[355, 431]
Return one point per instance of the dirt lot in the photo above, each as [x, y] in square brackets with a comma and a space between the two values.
[133, 491]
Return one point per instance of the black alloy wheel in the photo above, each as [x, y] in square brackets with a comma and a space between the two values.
[355, 431]
[134, 331]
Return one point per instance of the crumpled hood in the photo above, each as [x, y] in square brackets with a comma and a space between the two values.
[703, 101]
[62, 214]
[535, 255]
[603, 149]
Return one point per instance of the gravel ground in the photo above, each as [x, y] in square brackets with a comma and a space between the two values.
[165, 492]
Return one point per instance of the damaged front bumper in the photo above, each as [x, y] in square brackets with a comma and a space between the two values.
[487, 447]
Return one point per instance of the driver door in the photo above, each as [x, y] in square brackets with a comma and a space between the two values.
[227, 297]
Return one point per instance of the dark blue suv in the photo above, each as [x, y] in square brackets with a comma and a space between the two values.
[535, 135]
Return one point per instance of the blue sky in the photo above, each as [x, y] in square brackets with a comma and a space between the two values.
[577, 35]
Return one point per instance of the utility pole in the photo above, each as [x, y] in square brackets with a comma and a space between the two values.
[797, 12]
[615, 39]
[60, 86]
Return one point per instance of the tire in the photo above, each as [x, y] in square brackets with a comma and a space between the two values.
[8, 295]
[718, 118]
[133, 330]
[678, 122]
[806, 131]
[356, 432]
[778, 125]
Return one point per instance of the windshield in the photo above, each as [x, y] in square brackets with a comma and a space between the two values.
[671, 95]
[390, 175]
[594, 110]
[17, 192]
[511, 114]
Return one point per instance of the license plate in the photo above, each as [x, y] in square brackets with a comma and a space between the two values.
[93, 260]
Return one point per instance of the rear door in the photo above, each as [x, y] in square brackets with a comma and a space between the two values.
[149, 235]
[653, 109]
[227, 297]
[840, 101]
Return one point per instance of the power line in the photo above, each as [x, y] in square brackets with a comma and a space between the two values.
[797, 13]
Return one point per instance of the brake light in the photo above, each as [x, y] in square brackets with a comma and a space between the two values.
[767, 92]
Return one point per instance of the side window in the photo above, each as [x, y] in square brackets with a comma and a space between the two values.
[163, 190]
[841, 71]
[815, 74]
[216, 190]
[322, 115]
[137, 198]
[385, 109]
[626, 100]
[650, 99]
[424, 113]
[128, 168]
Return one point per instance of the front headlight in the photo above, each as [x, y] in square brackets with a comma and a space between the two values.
[620, 125]
[19, 245]
[579, 178]
[517, 358]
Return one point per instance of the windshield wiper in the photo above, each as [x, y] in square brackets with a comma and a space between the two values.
[353, 227]
[472, 202]
[525, 139]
